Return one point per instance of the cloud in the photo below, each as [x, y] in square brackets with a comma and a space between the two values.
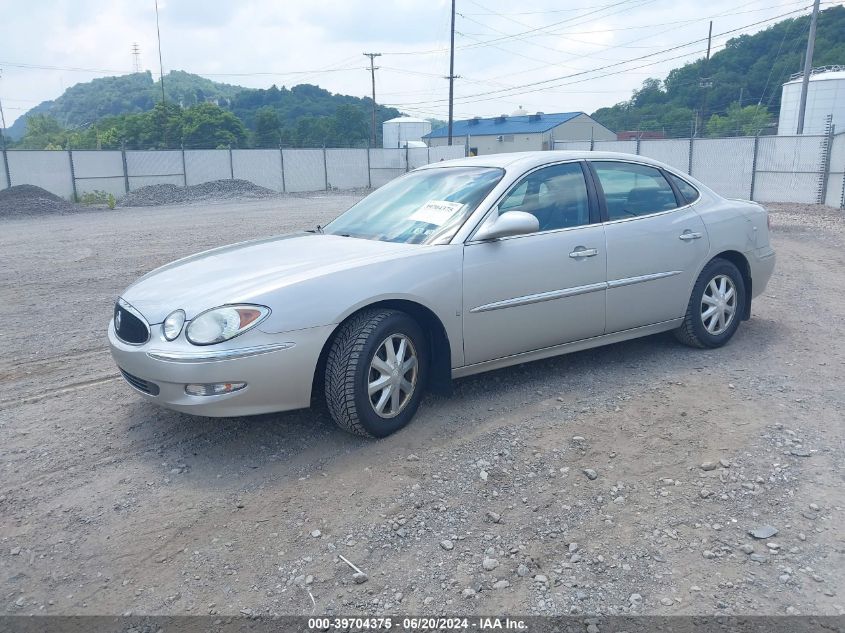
[237, 42]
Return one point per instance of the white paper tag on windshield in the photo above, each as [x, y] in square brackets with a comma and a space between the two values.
[436, 212]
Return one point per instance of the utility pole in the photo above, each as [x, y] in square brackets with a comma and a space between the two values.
[2, 121]
[808, 66]
[704, 82]
[160, 64]
[136, 57]
[452, 73]
[372, 57]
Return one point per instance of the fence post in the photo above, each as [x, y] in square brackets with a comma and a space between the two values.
[754, 165]
[184, 167]
[325, 168]
[125, 170]
[282, 162]
[842, 193]
[6, 167]
[72, 174]
[592, 140]
[231, 165]
[407, 164]
[689, 159]
[638, 144]
[427, 155]
[369, 169]
[825, 167]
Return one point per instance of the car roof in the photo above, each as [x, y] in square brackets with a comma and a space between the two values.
[529, 160]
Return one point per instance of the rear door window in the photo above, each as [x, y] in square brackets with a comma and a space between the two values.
[689, 192]
[632, 190]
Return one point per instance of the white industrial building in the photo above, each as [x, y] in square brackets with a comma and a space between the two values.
[404, 131]
[825, 96]
[520, 132]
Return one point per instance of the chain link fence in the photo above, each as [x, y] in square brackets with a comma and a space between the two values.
[808, 168]
[73, 173]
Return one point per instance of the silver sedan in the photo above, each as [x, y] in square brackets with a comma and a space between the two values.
[453, 269]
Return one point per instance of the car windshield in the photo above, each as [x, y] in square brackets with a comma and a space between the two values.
[422, 207]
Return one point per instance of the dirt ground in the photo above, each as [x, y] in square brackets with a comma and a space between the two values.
[109, 505]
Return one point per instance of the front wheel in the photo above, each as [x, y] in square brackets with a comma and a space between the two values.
[715, 307]
[376, 372]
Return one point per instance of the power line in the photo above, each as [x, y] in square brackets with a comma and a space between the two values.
[516, 35]
[545, 82]
[204, 74]
[521, 36]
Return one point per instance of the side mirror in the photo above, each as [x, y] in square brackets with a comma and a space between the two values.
[509, 223]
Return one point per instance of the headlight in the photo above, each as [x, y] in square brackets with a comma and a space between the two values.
[221, 324]
[173, 324]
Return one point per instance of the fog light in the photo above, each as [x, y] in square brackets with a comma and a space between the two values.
[214, 389]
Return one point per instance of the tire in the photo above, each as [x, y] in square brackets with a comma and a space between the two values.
[358, 359]
[703, 331]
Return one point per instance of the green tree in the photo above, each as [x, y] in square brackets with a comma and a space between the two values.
[350, 125]
[739, 121]
[160, 128]
[209, 125]
[268, 127]
[312, 131]
[43, 131]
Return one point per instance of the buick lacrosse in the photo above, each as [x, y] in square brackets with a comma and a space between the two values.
[455, 268]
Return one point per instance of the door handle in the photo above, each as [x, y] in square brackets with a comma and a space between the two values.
[688, 236]
[580, 252]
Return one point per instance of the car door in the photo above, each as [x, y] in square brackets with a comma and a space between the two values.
[527, 292]
[655, 240]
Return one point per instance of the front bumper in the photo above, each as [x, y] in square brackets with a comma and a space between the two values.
[278, 370]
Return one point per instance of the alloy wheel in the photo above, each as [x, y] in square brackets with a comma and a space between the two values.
[392, 377]
[718, 304]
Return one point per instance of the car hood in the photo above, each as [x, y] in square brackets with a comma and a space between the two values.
[244, 272]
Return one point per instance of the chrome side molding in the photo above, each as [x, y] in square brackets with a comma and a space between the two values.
[571, 292]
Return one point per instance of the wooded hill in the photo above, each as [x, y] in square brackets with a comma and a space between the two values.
[748, 72]
[198, 112]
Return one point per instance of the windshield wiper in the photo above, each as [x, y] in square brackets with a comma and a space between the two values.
[319, 229]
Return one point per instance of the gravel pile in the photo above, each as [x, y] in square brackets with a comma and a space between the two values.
[29, 200]
[155, 195]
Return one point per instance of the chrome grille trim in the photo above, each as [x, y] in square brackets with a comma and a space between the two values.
[122, 308]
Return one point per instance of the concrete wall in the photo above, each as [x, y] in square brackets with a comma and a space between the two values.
[809, 168]
[293, 170]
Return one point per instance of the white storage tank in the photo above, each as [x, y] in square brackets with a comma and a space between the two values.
[825, 96]
[399, 131]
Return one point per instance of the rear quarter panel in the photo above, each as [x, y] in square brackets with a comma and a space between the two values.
[732, 225]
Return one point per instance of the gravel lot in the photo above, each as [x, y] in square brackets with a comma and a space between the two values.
[617, 480]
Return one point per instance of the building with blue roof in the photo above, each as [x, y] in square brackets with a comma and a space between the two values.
[520, 132]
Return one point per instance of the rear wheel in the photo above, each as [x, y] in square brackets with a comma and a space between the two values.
[715, 307]
[375, 372]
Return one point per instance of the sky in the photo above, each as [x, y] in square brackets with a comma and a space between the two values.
[541, 55]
